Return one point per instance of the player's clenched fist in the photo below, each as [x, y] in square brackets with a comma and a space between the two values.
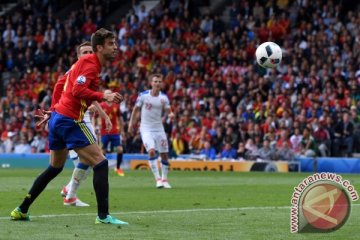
[113, 97]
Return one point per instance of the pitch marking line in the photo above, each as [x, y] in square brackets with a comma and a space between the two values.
[164, 211]
[157, 212]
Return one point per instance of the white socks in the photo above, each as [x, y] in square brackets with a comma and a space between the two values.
[76, 160]
[153, 163]
[79, 175]
[164, 169]
[155, 169]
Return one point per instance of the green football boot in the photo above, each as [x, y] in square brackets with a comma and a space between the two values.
[17, 215]
[110, 220]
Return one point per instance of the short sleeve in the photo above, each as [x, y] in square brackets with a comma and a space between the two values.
[139, 101]
[167, 102]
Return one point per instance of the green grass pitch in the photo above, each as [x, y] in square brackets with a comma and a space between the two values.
[201, 205]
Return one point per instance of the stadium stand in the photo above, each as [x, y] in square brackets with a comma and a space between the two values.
[217, 91]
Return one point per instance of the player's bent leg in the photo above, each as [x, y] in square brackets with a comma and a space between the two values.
[79, 175]
[90, 155]
[87, 172]
[93, 156]
[57, 161]
[58, 157]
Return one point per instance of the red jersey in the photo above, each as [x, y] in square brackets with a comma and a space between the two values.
[80, 88]
[113, 111]
[59, 88]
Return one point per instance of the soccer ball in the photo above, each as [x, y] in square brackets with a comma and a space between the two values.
[268, 55]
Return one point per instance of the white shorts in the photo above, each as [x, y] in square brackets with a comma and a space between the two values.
[72, 153]
[155, 140]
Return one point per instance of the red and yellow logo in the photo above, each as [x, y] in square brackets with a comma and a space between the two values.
[325, 206]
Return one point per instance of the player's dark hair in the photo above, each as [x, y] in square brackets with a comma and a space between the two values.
[86, 43]
[99, 37]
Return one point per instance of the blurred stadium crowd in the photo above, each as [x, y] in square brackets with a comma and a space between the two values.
[226, 105]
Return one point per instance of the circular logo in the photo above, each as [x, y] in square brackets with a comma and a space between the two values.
[325, 206]
[81, 80]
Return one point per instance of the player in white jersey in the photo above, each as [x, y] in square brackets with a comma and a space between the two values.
[81, 171]
[152, 103]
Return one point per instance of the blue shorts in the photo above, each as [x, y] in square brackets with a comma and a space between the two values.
[113, 139]
[65, 132]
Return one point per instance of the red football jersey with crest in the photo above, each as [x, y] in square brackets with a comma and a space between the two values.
[80, 88]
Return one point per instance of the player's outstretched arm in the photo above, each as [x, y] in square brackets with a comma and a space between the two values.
[133, 119]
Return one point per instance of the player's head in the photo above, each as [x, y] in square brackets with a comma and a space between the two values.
[83, 49]
[103, 42]
[107, 91]
[156, 81]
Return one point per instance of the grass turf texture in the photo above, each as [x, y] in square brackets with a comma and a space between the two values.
[201, 205]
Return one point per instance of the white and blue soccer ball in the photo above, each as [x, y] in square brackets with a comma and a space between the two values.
[268, 55]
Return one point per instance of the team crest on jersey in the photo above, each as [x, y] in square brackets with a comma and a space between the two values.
[162, 101]
[81, 79]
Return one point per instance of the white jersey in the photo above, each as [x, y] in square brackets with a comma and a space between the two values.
[87, 118]
[151, 111]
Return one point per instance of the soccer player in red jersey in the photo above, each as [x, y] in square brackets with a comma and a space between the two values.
[111, 139]
[81, 171]
[68, 131]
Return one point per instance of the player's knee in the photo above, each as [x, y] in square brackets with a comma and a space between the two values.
[152, 153]
[93, 158]
[119, 149]
[100, 157]
[164, 156]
